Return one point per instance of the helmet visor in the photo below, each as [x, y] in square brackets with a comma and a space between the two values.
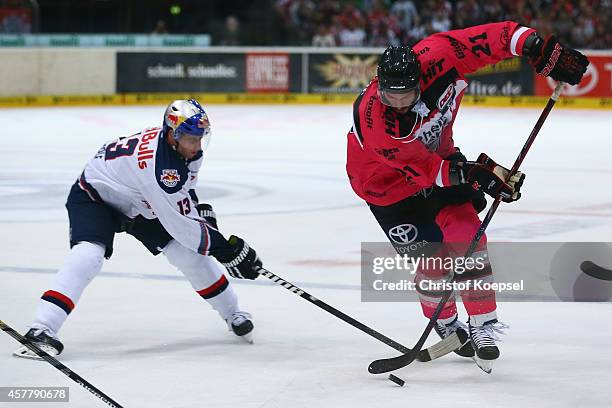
[204, 138]
[399, 99]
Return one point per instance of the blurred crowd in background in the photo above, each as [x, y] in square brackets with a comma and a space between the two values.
[582, 23]
[324, 23]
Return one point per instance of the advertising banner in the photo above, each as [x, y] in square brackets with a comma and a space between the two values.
[511, 77]
[350, 73]
[180, 72]
[254, 72]
[597, 81]
[340, 73]
[267, 72]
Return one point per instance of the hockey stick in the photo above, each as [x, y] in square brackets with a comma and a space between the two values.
[596, 271]
[389, 364]
[443, 347]
[55, 363]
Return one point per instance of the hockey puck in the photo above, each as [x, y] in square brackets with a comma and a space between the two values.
[397, 380]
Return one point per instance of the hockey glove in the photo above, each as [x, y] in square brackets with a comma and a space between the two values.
[206, 211]
[479, 201]
[550, 58]
[460, 192]
[488, 176]
[241, 261]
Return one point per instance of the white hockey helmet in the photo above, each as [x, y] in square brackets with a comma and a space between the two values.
[187, 117]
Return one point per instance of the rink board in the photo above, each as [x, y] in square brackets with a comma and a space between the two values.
[280, 98]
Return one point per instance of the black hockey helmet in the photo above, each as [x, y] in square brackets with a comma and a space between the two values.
[399, 72]
[398, 69]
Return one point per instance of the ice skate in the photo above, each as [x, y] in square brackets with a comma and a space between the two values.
[242, 325]
[45, 339]
[483, 341]
[455, 326]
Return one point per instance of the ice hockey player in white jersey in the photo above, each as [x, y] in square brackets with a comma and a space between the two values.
[144, 185]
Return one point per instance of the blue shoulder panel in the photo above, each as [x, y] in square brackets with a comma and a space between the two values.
[171, 169]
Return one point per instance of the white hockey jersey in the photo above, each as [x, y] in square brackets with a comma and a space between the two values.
[142, 175]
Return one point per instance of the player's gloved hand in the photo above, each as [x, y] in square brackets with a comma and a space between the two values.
[460, 192]
[490, 177]
[206, 211]
[241, 261]
[479, 201]
[456, 156]
[550, 58]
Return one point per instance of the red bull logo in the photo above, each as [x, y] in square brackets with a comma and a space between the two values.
[175, 119]
[170, 177]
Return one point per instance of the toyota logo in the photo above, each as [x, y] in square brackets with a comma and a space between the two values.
[403, 234]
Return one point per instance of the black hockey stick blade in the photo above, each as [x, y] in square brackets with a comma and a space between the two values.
[431, 353]
[395, 363]
[384, 365]
[596, 271]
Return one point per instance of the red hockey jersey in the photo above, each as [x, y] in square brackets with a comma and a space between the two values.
[391, 156]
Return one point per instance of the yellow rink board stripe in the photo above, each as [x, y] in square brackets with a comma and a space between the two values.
[275, 98]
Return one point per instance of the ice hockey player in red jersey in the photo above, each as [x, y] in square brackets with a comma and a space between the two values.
[144, 185]
[402, 160]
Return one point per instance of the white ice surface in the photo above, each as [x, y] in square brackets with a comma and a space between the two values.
[275, 175]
